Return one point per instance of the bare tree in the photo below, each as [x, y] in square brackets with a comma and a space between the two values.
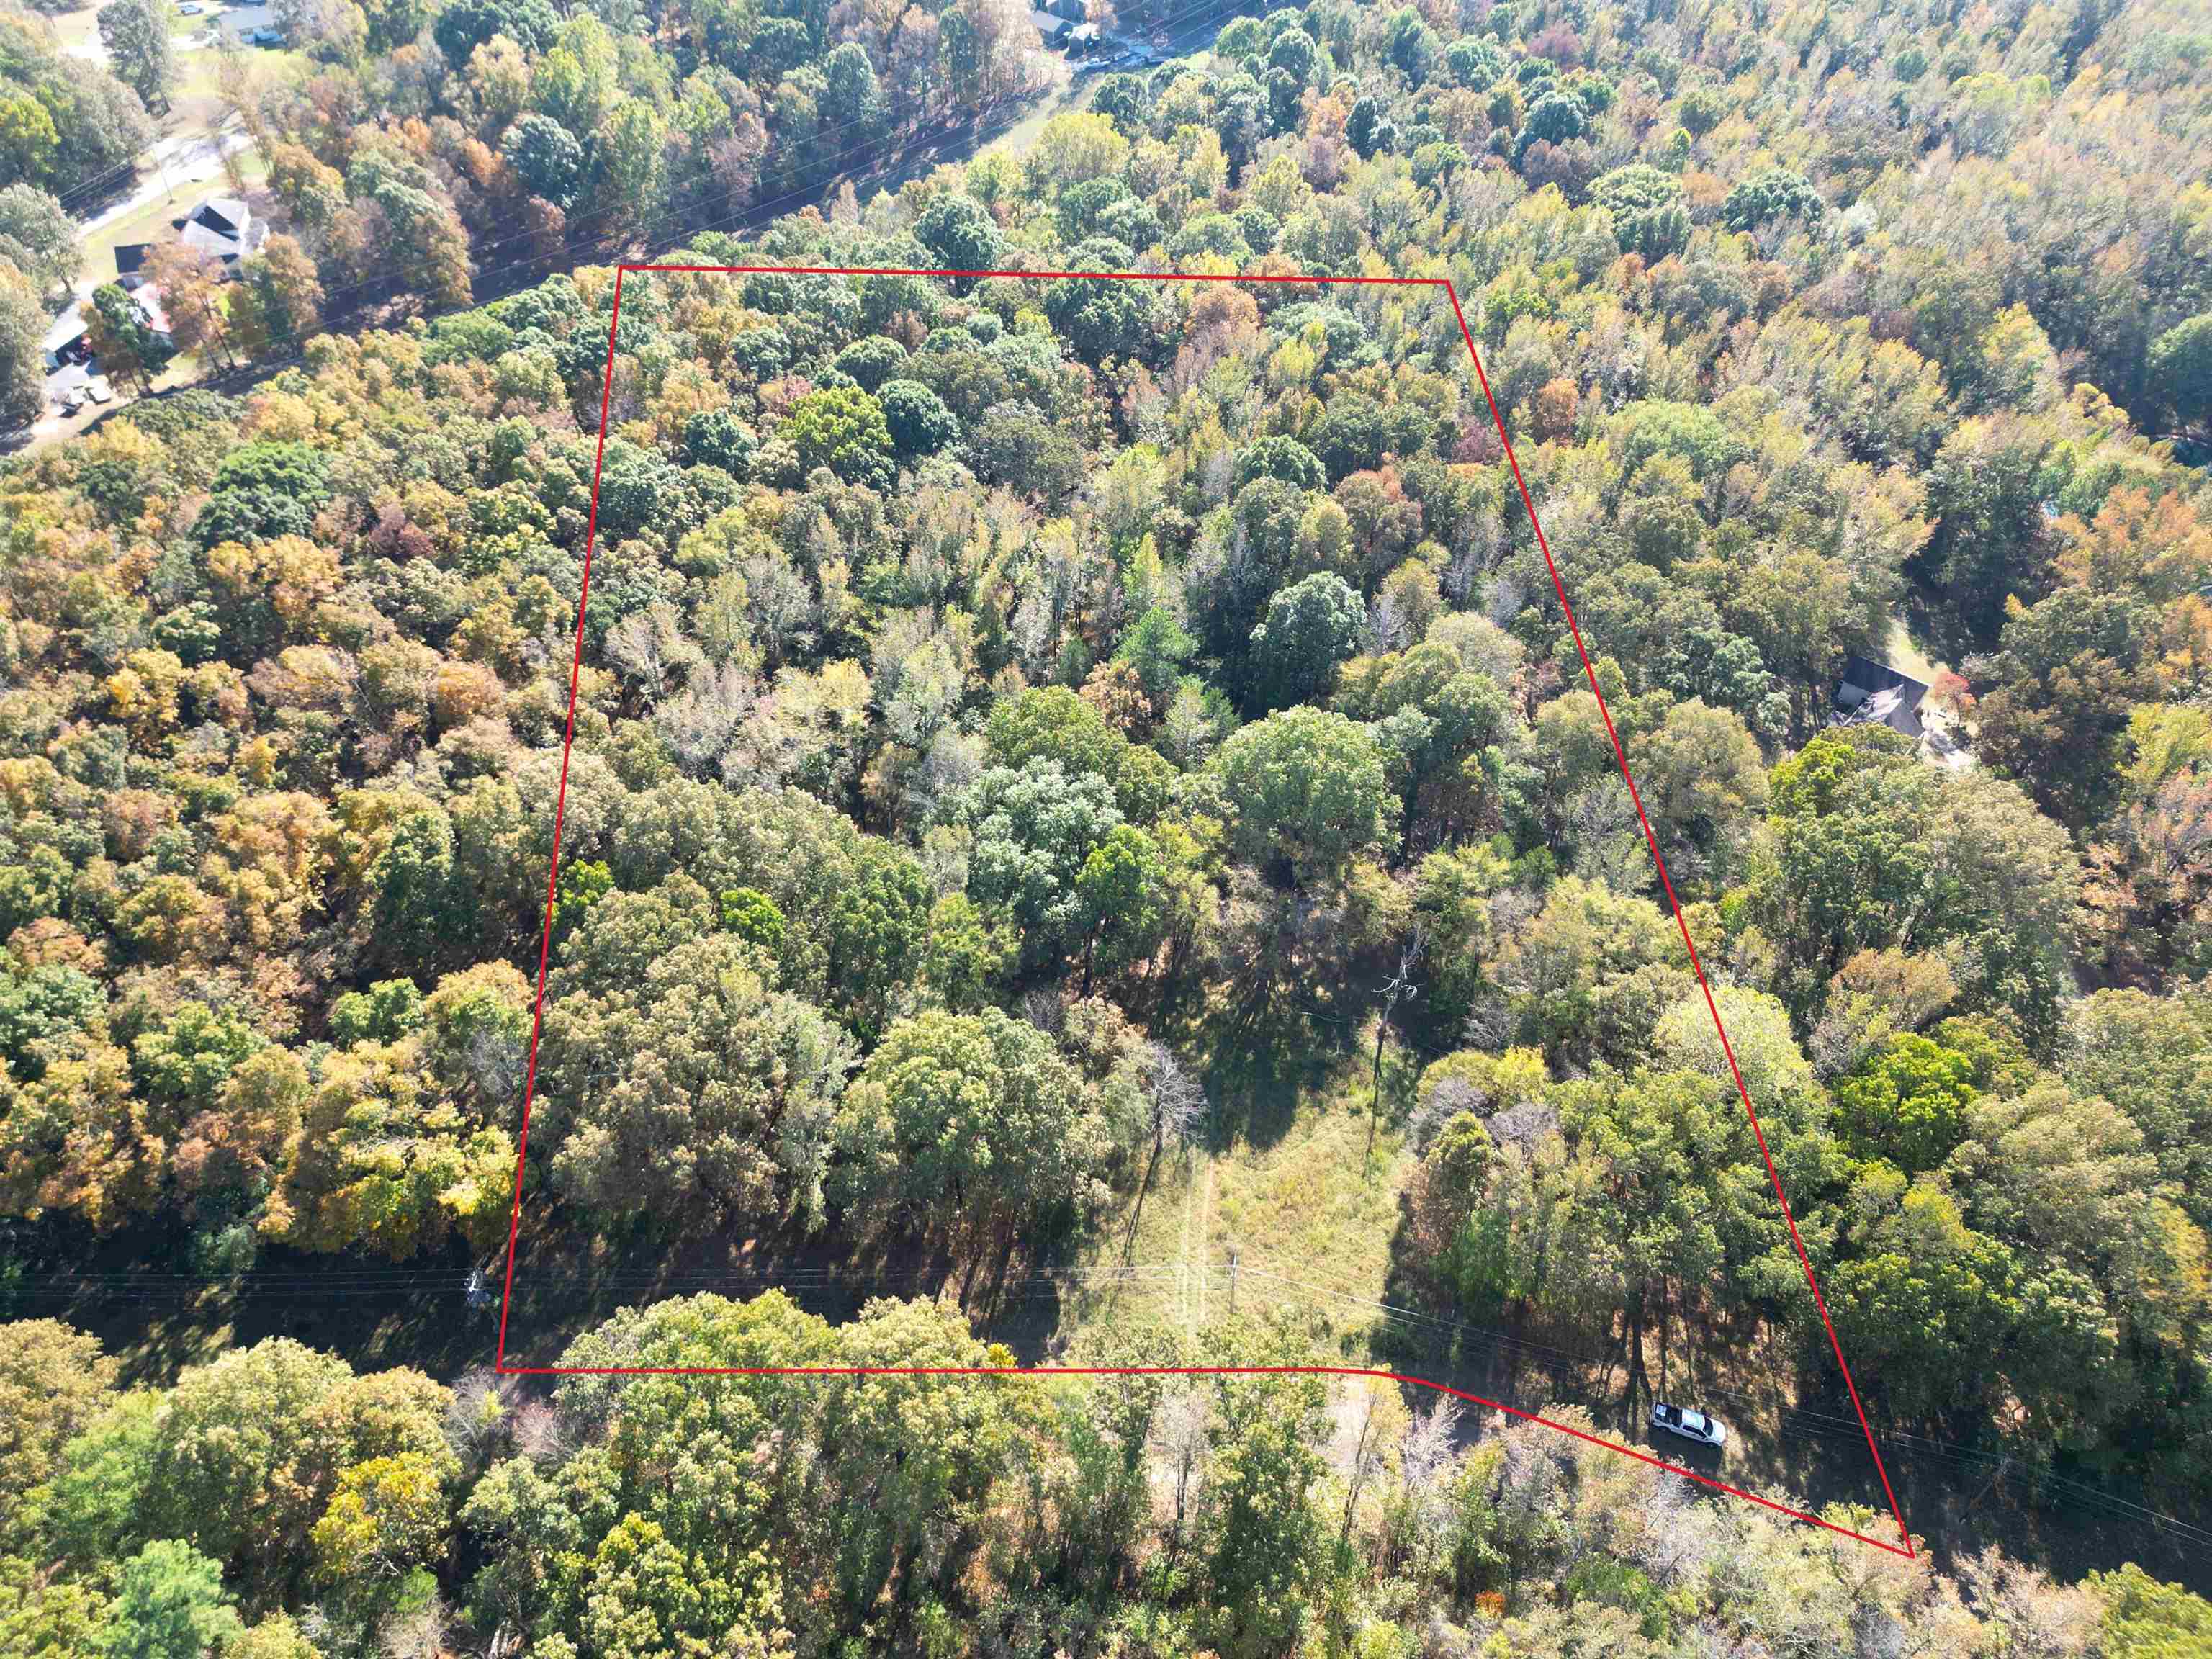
[648, 646]
[478, 1421]
[1176, 1099]
[1178, 1106]
[1439, 1106]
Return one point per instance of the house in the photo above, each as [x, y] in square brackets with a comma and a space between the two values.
[1084, 38]
[1051, 30]
[1073, 11]
[131, 263]
[222, 228]
[1875, 693]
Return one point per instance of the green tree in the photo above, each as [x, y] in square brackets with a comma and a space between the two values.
[2069, 673]
[1907, 1103]
[53, 1382]
[22, 348]
[877, 922]
[1668, 1158]
[546, 156]
[960, 232]
[692, 1093]
[2146, 1619]
[752, 915]
[39, 237]
[276, 1637]
[1920, 1300]
[1308, 790]
[171, 1604]
[119, 333]
[1263, 1534]
[1100, 319]
[1769, 194]
[1312, 627]
[1119, 890]
[918, 422]
[1646, 207]
[136, 35]
[843, 427]
[249, 1447]
[2179, 367]
[970, 1129]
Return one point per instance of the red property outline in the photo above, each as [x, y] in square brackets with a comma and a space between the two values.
[606, 399]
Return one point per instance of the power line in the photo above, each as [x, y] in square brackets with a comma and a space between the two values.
[285, 1287]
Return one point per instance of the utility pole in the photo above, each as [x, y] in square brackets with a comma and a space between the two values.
[1233, 1279]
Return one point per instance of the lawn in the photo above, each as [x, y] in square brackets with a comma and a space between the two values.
[151, 222]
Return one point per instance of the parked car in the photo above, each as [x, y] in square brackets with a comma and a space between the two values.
[1703, 1427]
[191, 9]
[70, 401]
[262, 37]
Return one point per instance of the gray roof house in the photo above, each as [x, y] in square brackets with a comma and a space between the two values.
[221, 227]
[1877, 694]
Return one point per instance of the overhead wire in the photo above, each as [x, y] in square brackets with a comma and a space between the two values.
[289, 1286]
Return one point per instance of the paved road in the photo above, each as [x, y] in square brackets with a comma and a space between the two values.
[172, 164]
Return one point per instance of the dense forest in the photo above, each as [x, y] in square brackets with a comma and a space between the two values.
[1030, 731]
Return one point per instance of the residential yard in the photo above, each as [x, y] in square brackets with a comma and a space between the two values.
[1906, 656]
[151, 221]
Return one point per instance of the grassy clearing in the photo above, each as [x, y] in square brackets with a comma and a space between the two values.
[97, 252]
[78, 32]
[1305, 1219]
[1906, 656]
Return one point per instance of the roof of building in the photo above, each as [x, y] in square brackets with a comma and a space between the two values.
[1875, 693]
[1890, 708]
[129, 256]
[1049, 26]
[66, 327]
[223, 215]
[1867, 678]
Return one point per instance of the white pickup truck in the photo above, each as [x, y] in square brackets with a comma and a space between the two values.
[1702, 1427]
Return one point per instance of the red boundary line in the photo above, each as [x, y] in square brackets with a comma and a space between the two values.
[1620, 756]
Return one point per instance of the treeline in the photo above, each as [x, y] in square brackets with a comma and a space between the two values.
[67, 126]
[1136, 1515]
[432, 145]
